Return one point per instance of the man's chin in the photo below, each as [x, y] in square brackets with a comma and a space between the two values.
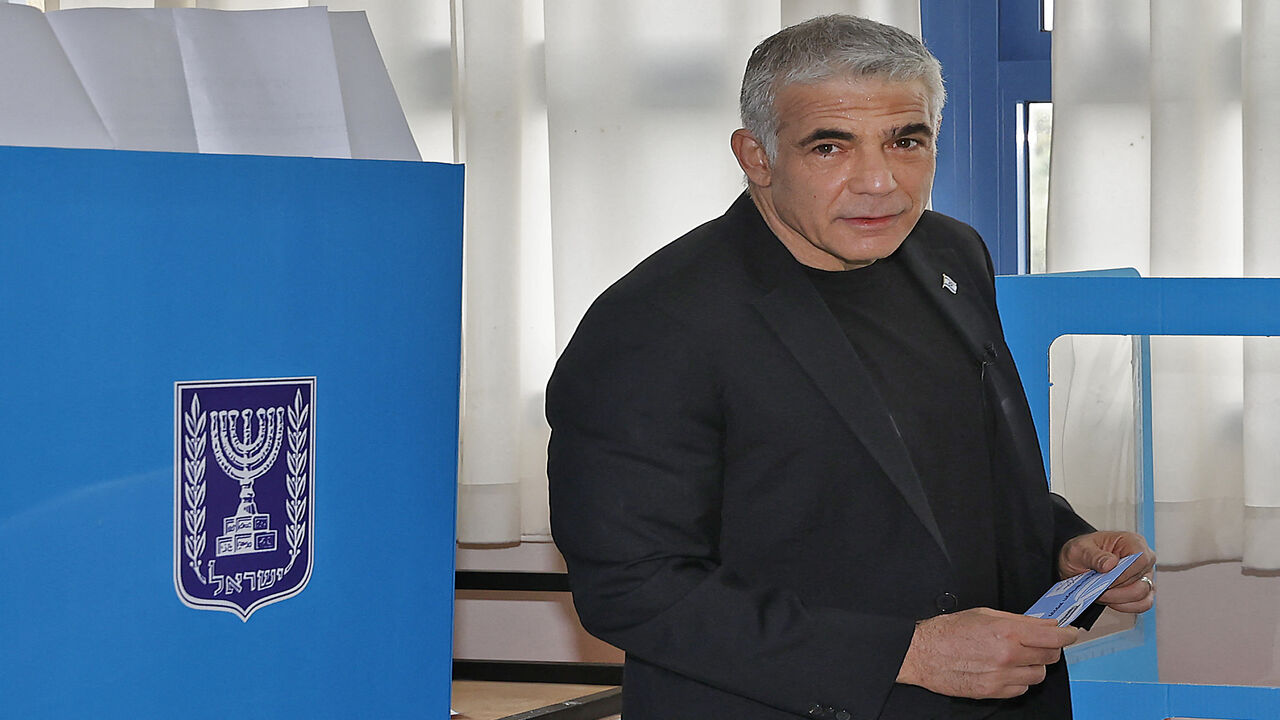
[866, 251]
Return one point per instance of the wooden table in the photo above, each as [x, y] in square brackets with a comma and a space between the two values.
[480, 700]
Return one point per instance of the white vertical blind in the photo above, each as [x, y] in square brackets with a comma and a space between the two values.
[507, 350]
[1163, 167]
[639, 129]
[1260, 101]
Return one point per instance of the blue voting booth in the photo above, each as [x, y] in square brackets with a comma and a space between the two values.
[228, 435]
[1117, 677]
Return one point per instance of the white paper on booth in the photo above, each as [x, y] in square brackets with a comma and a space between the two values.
[130, 65]
[42, 102]
[376, 124]
[263, 82]
[124, 4]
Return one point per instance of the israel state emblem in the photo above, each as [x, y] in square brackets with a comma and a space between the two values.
[243, 482]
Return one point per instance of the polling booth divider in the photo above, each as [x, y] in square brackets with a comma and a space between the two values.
[228, 434]
[1116, 677]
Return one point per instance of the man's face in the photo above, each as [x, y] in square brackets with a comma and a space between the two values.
[854, 169]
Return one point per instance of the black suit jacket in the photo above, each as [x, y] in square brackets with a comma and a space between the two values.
[735, 507]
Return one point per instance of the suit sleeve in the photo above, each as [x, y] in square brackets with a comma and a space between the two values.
[1066, 524]
[636, 475]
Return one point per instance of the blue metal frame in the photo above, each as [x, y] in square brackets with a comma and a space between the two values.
[1036, 310]
[994, 58]
[963, 35]
[1132, 653]
[1158, 701]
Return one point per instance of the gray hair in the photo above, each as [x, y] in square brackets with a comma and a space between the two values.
[826, 47]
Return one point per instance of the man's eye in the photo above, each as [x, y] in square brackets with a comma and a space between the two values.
[907, 143]
[825, 149]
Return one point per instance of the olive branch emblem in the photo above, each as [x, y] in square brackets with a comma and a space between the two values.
[296, 507]
[193, 539]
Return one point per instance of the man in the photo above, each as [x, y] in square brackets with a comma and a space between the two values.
[792, 468]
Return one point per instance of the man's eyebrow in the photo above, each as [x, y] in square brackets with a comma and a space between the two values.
[827, 134]
[911, 129]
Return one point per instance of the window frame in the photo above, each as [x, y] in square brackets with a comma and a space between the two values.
[997, 61]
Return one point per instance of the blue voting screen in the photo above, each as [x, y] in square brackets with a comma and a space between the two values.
[314, 307]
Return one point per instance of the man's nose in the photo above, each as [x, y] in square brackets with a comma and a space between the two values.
[872, 174]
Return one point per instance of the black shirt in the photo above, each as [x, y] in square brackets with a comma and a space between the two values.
[933, 388]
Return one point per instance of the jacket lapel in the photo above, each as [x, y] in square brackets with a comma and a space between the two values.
[1016, 450]
[797, 314]
[947, 282]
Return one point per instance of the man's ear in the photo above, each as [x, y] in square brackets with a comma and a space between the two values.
[752, 158]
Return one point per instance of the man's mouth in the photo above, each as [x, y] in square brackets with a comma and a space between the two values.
[871, 221]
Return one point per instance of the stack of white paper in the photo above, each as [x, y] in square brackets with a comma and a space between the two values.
[272, 82]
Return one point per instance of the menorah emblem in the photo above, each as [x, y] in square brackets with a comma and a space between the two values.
[245, 457]
[261, 432]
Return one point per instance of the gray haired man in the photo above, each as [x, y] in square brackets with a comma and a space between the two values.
[793, 472]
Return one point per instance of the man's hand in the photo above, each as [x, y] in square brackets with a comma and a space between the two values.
[1133, 591]
[982, 653]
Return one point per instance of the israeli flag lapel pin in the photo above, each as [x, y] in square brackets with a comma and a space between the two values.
[948, 283]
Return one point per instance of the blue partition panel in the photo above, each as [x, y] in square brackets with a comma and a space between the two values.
[310, 538]
[1037, 309]
[1098, 700]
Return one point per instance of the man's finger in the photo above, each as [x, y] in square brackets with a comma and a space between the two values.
[1047, 635]
[1139, 606]
[1131, 576]
[1030, 675]
[1142, 567]
[1098, 559]
[1019, 681]
[1033, 656]
[1011, 691]
[1135, 597]
[1137, 590]
[1125, 595]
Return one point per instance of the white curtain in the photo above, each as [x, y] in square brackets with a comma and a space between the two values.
[1162, 157]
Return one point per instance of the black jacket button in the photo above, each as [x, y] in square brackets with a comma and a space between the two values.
[843, 715]
[946, 602]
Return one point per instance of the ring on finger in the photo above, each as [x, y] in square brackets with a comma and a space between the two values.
[1151, 586]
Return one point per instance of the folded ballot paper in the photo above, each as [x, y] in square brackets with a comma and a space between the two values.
[1067, 599]
[296, 81]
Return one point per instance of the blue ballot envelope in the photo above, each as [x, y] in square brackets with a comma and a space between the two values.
[1068, 598]
[228, 435]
